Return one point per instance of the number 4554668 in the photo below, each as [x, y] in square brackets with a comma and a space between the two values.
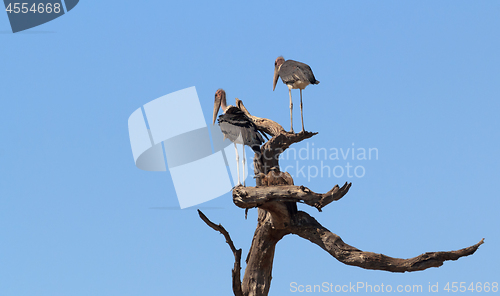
[35, 8]
[472, 287]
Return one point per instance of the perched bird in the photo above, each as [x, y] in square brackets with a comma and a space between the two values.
[295, 75]
[237, 127]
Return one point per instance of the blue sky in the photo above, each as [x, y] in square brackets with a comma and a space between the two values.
[417, 80]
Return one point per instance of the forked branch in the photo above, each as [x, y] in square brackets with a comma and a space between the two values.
[273, 148]
[251, 197]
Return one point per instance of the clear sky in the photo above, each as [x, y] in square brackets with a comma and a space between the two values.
[416, 80]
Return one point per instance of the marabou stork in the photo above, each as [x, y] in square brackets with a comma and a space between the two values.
[237, 127]
[295, 75]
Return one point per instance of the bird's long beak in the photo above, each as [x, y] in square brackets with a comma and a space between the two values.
[216, 107]
[275, 78]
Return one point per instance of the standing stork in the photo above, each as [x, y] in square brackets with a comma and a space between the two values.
[237, 127]
[295, 75]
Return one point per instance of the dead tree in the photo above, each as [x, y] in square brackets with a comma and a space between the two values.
[275, 196]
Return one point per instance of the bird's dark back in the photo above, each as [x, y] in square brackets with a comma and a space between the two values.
[292, 71]
[234, 123]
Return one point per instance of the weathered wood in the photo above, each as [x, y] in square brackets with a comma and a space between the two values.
[275, 197]
[251, 197]
[274, 177]
[313, 231]
[236, 252]
[281, 140]
[258, 273]
[265, 125]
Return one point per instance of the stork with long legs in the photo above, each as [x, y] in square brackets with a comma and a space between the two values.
[295, 75]
[237, 127]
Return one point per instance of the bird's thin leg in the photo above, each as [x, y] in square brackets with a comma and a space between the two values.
[244, 176]
[237, 164]
[301, 115]
[291, 109]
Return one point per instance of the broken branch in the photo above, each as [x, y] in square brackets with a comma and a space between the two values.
[251, 197]
[237, 254]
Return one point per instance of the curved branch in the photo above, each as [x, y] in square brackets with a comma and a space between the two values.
[251, 197]
[313, 231]
[237, 254]
[265, 125]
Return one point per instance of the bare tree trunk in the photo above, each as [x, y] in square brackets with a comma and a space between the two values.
[258, 273]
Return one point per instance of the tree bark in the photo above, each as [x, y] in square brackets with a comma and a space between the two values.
[237, 254]
[313, 231]
[251, 197]
[258, 273]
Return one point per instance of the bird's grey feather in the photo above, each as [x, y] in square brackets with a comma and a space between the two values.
[292, 71]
